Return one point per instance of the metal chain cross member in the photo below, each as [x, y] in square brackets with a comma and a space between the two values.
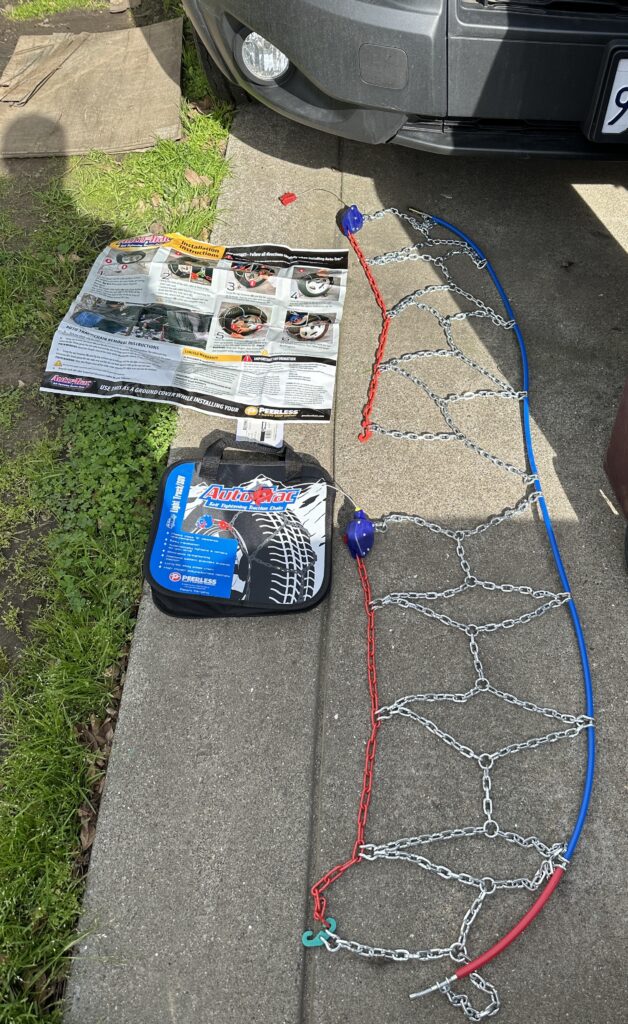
[554, 857]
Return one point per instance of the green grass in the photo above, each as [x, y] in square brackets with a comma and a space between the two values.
[151, 187]
[26, 10]
[40, 274]
[78, 479]
[10, 408]
[93, 479]
[102, 197]
[193, 81]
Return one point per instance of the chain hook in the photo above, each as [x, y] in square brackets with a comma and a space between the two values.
[310, 940]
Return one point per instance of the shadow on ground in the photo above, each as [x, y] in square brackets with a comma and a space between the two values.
[41, 280]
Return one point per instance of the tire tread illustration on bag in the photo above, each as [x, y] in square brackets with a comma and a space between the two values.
[275, 558]
[282, 562]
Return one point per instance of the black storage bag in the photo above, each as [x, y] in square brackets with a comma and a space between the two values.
[241, 535]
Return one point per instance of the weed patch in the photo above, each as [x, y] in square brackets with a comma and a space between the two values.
[150, 190]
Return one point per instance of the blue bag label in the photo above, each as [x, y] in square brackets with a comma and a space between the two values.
[187, 561]
[240, 499]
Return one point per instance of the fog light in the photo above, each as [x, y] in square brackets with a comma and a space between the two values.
[262, 60]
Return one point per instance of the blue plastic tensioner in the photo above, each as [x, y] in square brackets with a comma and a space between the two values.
[351, 220]
[360, 535]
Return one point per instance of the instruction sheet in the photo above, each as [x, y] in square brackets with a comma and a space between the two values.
[241, 331]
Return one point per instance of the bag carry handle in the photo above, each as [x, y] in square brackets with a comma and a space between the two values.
[213, 454]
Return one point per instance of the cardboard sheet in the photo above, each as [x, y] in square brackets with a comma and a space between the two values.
[115, 91]
[34, 60]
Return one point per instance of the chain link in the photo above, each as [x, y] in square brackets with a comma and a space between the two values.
[462, 1001]
[429, 837]
[455, 433]
[487, 803]
[410, 600]
[522, 505]
[334, 942]
[468, 920]
[481, 309]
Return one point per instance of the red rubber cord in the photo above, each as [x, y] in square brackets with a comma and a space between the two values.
[514, 933]
[367, 411]
[320, 901]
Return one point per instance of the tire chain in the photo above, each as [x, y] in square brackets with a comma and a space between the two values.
[552, 855]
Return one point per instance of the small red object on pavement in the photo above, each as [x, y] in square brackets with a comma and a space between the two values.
[287, 198]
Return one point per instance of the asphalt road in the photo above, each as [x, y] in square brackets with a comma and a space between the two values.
[236, 770]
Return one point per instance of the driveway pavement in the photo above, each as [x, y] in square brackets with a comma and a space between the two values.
[236, 769]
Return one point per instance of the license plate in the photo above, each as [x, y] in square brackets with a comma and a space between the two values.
[616, 115]
[609, 122]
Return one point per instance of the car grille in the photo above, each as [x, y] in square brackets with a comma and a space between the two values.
[606, 7]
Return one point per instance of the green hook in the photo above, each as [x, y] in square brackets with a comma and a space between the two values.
[309, 939]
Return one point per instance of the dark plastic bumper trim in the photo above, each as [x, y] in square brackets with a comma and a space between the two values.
[458, 138]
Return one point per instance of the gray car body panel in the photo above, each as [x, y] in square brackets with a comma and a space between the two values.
[532, 65]
[377, 71]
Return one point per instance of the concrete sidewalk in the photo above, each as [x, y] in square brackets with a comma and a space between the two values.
[235, 774]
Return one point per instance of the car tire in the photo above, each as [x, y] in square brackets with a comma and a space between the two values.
[236, 312]
[312, 329]
[305, 287]
[219, 85]
[275, 560]
[315, 330]
[244, 278]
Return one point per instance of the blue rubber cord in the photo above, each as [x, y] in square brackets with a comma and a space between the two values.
[575, 619]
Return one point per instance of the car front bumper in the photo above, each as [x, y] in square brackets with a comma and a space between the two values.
[380, 71]
[358, 67]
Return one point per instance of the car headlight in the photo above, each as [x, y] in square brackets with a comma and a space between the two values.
[261, 60]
